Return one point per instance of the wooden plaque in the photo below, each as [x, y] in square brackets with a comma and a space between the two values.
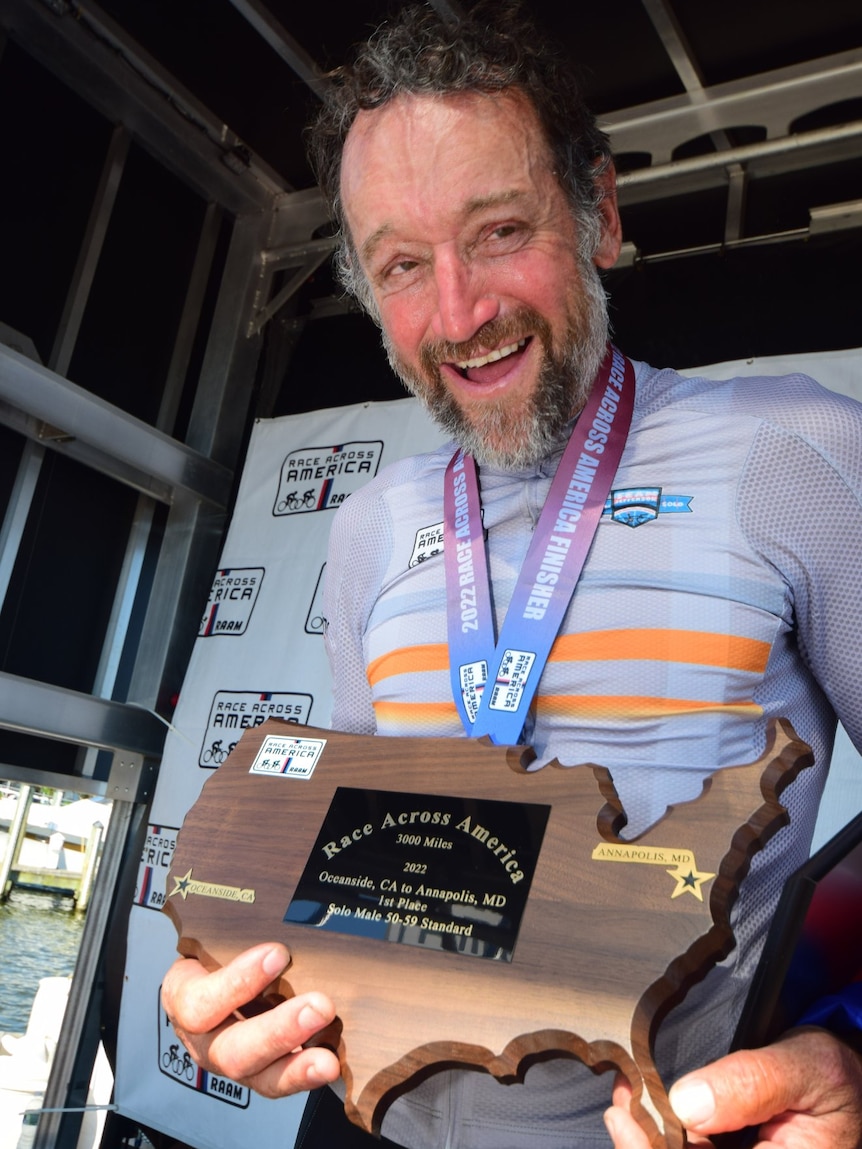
[355, 838]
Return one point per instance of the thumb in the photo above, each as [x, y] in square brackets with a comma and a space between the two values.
[746, 1088]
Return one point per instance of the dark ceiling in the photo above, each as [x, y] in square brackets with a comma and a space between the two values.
[158, 217]
[630, 52]
[737, 126]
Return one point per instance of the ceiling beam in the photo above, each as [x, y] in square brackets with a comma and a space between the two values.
[82, 46]
[46, 711]
[283, 44]
[675, 43]
[772, 100]
[769, 157]
[102, 435]
[683, 59]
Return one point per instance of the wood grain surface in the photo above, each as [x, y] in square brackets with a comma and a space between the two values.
[605, 948]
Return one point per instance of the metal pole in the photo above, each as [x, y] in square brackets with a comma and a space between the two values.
[746, 153]
[91, 249]
[17, 831]
[69, 1081]
[91, 859]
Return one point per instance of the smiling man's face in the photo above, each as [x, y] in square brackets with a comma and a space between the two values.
[489, 313]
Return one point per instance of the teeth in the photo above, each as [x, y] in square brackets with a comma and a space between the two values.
[492, 356]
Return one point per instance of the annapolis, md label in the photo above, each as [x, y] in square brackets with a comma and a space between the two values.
[422, 870]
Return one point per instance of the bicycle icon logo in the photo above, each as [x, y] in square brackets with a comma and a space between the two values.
[179, 1066]
[293, 502]
[216, 753]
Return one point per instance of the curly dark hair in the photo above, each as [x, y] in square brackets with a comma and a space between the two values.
[493, 49]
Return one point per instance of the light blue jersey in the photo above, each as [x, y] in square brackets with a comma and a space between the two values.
[721, 591]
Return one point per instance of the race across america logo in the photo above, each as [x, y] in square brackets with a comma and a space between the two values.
[175, 1062]
[427, 544]
[319, 478]
[155, 862]
[235, 711]
[232, 597]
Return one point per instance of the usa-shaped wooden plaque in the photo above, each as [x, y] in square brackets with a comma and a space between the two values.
[461, 910]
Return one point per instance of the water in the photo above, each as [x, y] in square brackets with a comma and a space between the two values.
[39, 937]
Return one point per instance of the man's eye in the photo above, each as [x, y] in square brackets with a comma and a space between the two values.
[505, 237]
[400, 267]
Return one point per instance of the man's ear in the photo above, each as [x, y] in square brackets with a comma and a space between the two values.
[611, 238]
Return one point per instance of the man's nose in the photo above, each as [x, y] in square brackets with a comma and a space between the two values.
[464, 303]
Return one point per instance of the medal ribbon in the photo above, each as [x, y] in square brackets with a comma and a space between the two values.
[498, 704]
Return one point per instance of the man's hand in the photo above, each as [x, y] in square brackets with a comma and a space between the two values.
[804, 1092]
[263, 1052]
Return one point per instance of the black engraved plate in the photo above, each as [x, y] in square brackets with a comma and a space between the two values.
[422, 870]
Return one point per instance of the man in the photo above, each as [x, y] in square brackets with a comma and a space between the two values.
[476, 201]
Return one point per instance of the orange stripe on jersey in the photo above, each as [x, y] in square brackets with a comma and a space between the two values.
[409, 660]
[617, 706]
[691, 646]
[409, 714]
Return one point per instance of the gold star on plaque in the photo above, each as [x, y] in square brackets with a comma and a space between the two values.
[182, 885]
[689, 880]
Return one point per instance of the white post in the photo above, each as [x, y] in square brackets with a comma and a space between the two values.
[17, 830]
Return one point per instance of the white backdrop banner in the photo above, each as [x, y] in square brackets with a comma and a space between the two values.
[259, 654]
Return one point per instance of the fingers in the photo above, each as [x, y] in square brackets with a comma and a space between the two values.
[751, 1087]
[804, 1092]
[263, 1051]
[622, 1092]
[622, 1128]
[198, 1001]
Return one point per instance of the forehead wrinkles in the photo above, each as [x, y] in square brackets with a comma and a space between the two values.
[427, 149]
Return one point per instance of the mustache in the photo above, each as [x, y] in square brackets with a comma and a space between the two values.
[497, 332]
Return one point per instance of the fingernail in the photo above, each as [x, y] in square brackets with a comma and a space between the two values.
[314, 1077]
[310, 1017]
[273, 962]
[693, 1102]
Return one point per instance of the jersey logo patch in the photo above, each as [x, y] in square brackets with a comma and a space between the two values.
[427, 544]
[634, 506]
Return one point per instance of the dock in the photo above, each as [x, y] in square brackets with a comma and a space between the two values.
[49, 849]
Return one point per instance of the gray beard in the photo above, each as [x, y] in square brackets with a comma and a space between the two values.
[508, 439]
